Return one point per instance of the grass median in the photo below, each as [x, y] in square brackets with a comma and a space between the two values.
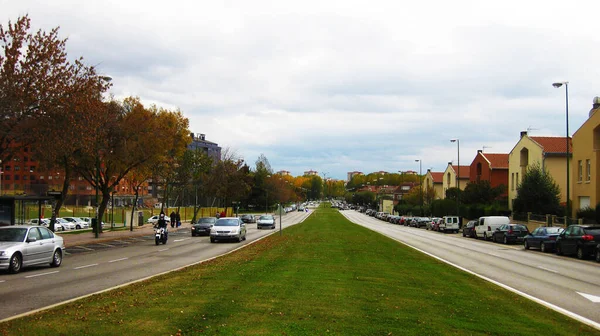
[324, 276]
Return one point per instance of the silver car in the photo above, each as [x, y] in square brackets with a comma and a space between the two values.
[24, 245]
[228, 228]
[265, 221]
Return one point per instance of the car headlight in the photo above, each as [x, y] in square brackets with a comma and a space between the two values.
[2, 253]
[234, 231]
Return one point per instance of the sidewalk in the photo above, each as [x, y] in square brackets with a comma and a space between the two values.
[106, 235]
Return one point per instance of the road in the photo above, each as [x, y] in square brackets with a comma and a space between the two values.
[565, 284]
[83, 274]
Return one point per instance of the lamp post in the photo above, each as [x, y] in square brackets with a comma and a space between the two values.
[112, 209]
[97, 227]
[557, 85]
[1, 172]
[420, 183]
[457, 176]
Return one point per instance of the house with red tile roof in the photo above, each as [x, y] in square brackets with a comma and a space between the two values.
[491, 167]
[549, 152]
[434, 180]
[449, 179]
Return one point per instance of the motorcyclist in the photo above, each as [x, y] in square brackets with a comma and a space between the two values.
[162, 223]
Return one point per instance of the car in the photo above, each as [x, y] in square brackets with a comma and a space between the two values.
[29, 245]
[88, 220]
[580, 240]
[265, 221]
[79, 223]
[543, 238]
[228, 228]
[469, 229]
[203, 226]
[36, 221]
[65, 224]
[510, 233]
[154, 219]
[247, 218]
[301, 208]
[488, 224]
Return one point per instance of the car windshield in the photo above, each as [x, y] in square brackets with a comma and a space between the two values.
[206, 220]
[227, 222]
[553, 230]
[13, 234]
[266, 218]
[520, 228]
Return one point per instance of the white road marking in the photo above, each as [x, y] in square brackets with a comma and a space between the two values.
[178, 240]
[86, 266]
[1, 281]
[547, 269]
[85, 248]
[37, 275]
[163, 250]
[593, 298]
[106, 245]
[112, 261]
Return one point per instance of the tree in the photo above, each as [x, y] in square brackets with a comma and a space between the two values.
[537, 193]
[229, 180]
[481, 192]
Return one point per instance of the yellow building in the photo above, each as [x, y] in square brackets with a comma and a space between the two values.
[434, 180]
[549, 152]
[449, 179]
[584, 165]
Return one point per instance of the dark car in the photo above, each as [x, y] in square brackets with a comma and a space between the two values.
[543, 238]
[202, 226]
[580, 240]
[510, 233]
[469, 229]
[248, 218]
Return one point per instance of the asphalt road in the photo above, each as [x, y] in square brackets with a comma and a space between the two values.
[565, 284]
[102, 269]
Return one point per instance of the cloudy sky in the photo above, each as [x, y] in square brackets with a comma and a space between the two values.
[338, 86]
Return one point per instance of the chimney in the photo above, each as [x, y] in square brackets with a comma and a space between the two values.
[595, 106]
[202, 136]
[523, 133]
[479, 151]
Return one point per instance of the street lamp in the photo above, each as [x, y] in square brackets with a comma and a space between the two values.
[1, 172]
[557, 85]
[457, 177]
[420, 183]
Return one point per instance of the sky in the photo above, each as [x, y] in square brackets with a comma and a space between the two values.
[341, 86]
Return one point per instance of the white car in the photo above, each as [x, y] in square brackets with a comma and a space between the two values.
[228, 228]
[65, 224]
[79, 223]
[265, 221]
[35, 221]
[154, 219]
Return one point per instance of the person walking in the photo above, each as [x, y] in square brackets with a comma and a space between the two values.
[173, 218]
[178, 219]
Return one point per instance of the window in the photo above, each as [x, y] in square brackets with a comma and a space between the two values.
[517, 178]
[50, 177]
[588, 170]
[17, 168]
[24, 177]
[31, 169]
[7, 168]
[17, 177]
[41, 177]
[34, 233]
[7, 177]
[25, 159]
[579, 171]
[512, 181]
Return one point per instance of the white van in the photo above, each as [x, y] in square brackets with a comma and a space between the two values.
[488, 224]
[450, 224]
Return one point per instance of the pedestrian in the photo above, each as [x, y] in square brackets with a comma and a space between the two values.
[173, 218]
[223, 214]
[218, 215]
[178, 219]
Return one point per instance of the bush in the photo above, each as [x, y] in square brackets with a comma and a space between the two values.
[588, 214]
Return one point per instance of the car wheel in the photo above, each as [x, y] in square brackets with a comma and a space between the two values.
[485, 236]
[464, 234]
[526, 245]
[157, 240]
[580, 254]
[56, 258]
[543, 247]
[505, 240]
[598, 255]
[78, 227]
[558, 249]
[16, 261]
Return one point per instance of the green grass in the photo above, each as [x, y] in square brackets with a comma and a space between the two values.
[325, 276]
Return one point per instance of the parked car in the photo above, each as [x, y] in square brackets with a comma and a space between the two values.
[469, 229]
[450, 224]
[79, 223]
[488, 224]
[265, 221]
[202, 226]
[228, 228]
[248, 218]
[65, 224]
[24, 245]
[89, 221]
[154, 219]
[543, 238]
[510, 233]
[580, 240]
[35, 221]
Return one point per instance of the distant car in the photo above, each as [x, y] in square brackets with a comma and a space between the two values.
[79, 223]
[202, 226]
[89, 221]
[154, 219]
[228, 228]
[65, 224]
[301, 208]
[510, 233]
[580, 240]
[265, 221]
[24, 245]
[469, 229]
[543, 238]
[247, 218]
[35, 221]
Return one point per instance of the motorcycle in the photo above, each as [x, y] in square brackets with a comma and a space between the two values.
[161, 235]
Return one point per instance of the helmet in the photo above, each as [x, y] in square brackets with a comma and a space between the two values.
[162, 215]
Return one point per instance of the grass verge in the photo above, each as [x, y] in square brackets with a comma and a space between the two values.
[325, 276]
